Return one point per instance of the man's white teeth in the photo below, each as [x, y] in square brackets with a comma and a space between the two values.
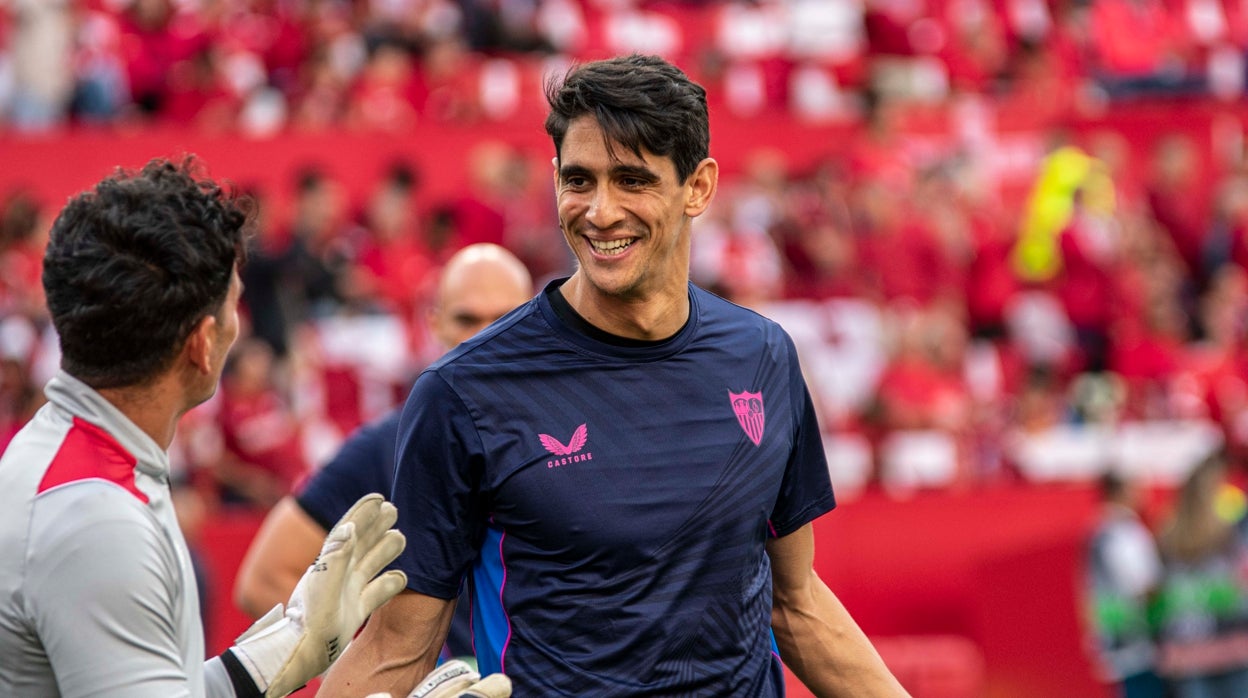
[610, 247]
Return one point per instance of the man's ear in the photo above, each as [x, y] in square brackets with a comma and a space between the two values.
[701, 187]
[200, 344]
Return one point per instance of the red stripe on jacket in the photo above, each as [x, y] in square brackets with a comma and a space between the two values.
[90, 453]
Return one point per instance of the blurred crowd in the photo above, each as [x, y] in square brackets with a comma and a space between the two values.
[952, 336]
[1166, 601]
[261, 66]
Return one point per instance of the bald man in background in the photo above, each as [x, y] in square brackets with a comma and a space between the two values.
[479, 284]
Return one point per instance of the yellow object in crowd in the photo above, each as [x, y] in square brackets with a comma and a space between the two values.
[1064, 173]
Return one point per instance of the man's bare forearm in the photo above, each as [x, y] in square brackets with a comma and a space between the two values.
[827, 650]
[398, 647]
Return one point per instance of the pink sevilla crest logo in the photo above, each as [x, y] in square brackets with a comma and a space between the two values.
[749, 409]
[575, 444]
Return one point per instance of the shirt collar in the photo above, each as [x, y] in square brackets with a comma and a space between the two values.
[81, 400]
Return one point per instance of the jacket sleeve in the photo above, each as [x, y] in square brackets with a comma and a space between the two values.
[105, 591]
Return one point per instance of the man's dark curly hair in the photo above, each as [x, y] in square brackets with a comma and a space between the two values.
[640, 102]
[133, 265]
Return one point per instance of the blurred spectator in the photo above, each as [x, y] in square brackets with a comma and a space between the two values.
[1087, 249]
[1148, 326]
[815, 234]
[23, 236]
[261, 456]
[740, 265]
[923, 389]
[991, 284]
[478, 214]
[734, 253]
[393, 261]
[506, 26]
[1122, 575]
[384, 97]
[1176, 200]
[976, 49]
[320, 94]
[154, 36]
[449, 82]
[262, 298]
[1041, 404]
[1140, 47]
[20, 394]
[901, 256]
[196, 93]
[530, 228]
[1203, 641]
[102, 89]
[274, 32]
[314, 262]
[42, 48]
[1217, 364]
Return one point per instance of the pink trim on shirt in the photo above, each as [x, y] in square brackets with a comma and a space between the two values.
[502, 655]
[90, 453]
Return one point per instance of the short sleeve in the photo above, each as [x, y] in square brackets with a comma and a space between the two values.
[439, 465]
[806, 489]
[124, 641]
[364, 464]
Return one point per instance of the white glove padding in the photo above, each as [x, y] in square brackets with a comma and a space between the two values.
[287, 647]
[455, 679]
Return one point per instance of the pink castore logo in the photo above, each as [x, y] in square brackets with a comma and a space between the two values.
[749, 409]
[575, 444]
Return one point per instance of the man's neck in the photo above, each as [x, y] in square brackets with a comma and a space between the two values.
[154, 409]
[654, 317]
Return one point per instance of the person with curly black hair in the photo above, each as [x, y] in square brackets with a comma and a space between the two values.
[97, 593]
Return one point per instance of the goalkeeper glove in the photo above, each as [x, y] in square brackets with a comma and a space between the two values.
[291, 645]
[455, 679]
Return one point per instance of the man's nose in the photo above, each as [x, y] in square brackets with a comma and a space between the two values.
[604, 208]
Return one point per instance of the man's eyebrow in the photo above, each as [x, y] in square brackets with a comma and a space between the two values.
[620, 170]
[569, 171]
[635, 171]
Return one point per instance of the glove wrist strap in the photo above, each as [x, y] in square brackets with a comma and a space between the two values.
[266, 649]
[244, 685]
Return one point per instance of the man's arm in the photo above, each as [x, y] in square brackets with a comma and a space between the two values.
[399, 645]
[817, 637]
[286, 544]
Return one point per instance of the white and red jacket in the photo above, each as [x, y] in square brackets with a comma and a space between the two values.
[97, 595]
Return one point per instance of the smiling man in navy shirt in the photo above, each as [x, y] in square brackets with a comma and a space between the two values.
[626, 468]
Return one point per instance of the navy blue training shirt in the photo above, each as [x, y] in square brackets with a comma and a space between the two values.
[610, 504]
[365, 464]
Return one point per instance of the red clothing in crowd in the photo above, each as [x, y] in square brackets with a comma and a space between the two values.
[915, 394]
[149, 46]
[1134, 37]
[402, 272]
[1147, 361]
[1084, 284]
[258, 430]
[990, 281]
[477, 220]
[1181, 212]
[21, 277]
[908, 263]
